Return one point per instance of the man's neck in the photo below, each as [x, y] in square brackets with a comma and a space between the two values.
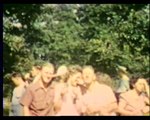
[43, 85]
[136, 93]
[89, 85]
[125, 77]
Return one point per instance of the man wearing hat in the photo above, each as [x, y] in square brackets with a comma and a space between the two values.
[124, 80]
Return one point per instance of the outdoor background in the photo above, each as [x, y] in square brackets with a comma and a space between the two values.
[101, 35]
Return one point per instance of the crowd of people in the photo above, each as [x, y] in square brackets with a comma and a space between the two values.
[74, 91]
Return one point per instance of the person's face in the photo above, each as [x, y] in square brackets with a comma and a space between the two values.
[80, 80]
[88, 75]
[34, 71]
[139, 85]
[27, 76]
[75, 78]
[46, 74]
[16, 81]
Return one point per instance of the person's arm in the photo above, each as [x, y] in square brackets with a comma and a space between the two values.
[79, 103]
[113, 107]
[26, 111]
[147, 100]
[26, 101]
[59, 91]
[146, 110]
[58, 105]
[147, 89]
[123, 111]
[36, 79]
[112, 101]
[79, 106]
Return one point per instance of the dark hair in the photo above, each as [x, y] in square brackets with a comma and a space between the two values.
[72, 69]
[15, 75]
[148, 81]
[128, 70]
[133, 80]
[38, 67]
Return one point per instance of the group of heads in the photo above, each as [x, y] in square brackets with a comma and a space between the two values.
[73, 74]
[43, 71]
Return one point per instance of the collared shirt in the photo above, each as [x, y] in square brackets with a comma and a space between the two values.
[131, 102]
[83, 89]
[39, 101]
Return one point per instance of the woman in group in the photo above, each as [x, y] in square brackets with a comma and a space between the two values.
[61, 75]
[134, 102]
[18, 92]
[70, 93]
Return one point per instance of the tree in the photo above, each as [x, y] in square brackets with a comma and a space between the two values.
[101, 35]
[17, 19]
[117, 34]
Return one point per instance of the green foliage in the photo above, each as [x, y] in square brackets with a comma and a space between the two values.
[119, 34]
[7, 107]
[102, 35]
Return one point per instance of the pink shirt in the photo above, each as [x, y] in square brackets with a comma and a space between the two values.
[132, 102]
[98, 96]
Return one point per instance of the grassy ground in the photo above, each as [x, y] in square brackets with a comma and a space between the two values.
[6, 107]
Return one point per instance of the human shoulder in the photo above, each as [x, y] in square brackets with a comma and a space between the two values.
[126, 95]
[18, 88]
[15, 89]
[33, 86]
[125, 82]
[104, 86]
[37, 78]
[58, 84]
